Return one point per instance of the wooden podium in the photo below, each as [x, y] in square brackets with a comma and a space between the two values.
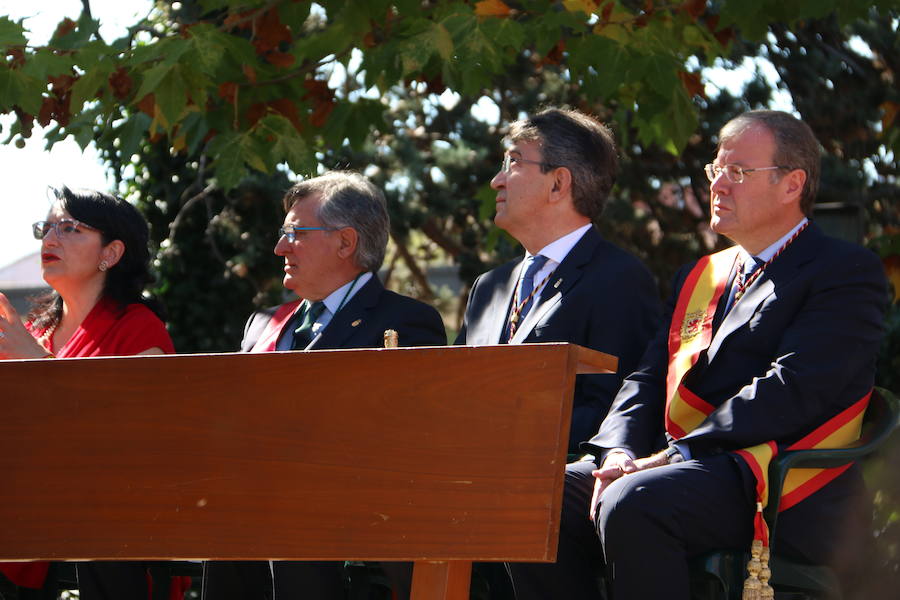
[441, 456]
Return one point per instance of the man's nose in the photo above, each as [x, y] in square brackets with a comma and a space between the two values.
[499, 180]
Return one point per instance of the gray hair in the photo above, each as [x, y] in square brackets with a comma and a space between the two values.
[349, 200]
[580, 143]
[796, 146]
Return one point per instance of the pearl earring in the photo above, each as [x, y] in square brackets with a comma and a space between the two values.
[103, 266]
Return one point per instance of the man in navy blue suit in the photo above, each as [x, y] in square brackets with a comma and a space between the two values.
[572, 285]
[765, 346]
[333, 242]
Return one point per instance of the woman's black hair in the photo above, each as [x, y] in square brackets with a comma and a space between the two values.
[116, 219]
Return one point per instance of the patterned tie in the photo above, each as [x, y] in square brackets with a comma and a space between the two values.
[738, 286]
[537, 262]
[525, 295]
[303, 335]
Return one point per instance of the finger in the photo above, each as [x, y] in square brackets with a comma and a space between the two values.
[595, 499]
[627, 465]
[608, 472]
[7, 312]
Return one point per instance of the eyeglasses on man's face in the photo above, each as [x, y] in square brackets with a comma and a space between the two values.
[290, 231]
[734, 173]
[64, 228]
[509, 160]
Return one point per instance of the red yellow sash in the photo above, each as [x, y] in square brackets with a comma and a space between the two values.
[689, 335]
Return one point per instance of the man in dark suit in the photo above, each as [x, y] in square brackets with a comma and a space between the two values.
[766, 345]
[333, 242]
[556, 175]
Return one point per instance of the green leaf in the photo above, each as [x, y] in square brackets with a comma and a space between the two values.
[131, 134]
[194, 127]
[11, 33]
[208, 45]
[86, 87]
[17, 88]
[660, 71]
[285, 144]
[171, 97]
[153, 77]
[443, 41]
[79, 36]
[227, 150]
[44, 63]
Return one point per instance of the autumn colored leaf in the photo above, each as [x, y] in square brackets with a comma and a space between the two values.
[606, 13]
[492, 8]
[555, 55]
[61, 83]
[891, 110]
[147, 105]
[65, 26]
[322, 98]
[249, 73]
[694, 8]
[692, 84]
[586, 6]
[892, 270]
[18, 57]
[280, 59]
[288, 110]
[228, 91]
[48, 109]
[269, 31]
[121, 83]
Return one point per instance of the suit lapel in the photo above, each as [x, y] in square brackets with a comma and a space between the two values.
[782, 270]
[497, 313]
[567, 274]
[350, 317]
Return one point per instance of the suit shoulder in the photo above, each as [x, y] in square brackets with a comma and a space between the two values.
[498, 274]
[401, 302]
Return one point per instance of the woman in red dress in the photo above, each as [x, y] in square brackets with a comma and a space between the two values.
[94, 255]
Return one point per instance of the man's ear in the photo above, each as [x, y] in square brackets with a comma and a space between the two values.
[793, 184]
[113, 252]
[349, 240]
[562, 184]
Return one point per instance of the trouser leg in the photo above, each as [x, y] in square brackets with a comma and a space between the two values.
[314, 580]
[112, 580]
[237, 580]
[574, 576]
[651, 521]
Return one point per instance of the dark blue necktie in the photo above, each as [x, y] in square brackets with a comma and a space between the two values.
[537, 262]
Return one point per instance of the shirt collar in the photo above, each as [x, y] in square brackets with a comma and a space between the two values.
[558, 250]
[335, 299]
[767, 254]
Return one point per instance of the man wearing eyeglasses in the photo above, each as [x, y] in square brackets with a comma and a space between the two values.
[333, 242]
[571, 285]
[768, 345]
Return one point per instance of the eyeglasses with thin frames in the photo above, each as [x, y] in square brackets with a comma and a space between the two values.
[290, 231]
[64, 228]
[734, 173]
[508, 161]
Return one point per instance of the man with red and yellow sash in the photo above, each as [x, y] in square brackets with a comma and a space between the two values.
[766, 346]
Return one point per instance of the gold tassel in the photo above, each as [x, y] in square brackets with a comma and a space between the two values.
[391, 339]
[754, 566]
[765, 590]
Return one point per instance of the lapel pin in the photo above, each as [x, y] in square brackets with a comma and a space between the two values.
[557, 284]
[356, 323]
